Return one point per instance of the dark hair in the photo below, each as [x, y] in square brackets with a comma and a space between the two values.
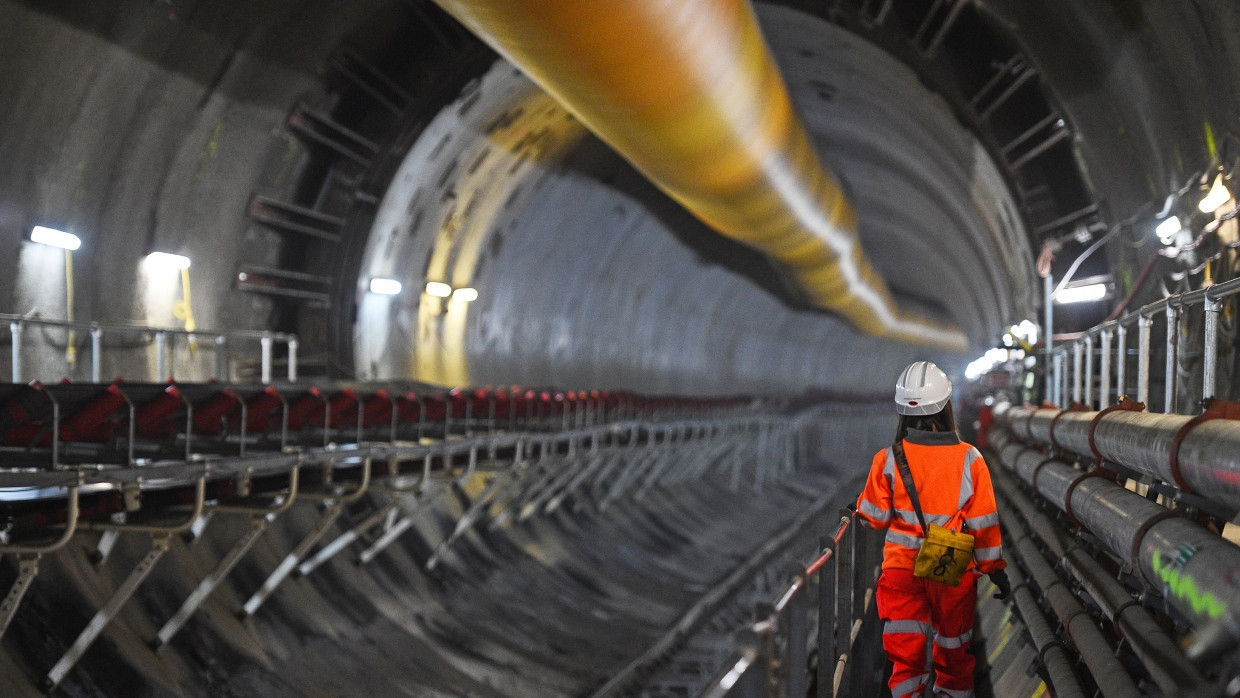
[943, 420]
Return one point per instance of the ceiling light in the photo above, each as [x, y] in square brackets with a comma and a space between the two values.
[385, 287]
[465, 294]
[1217, 196]
[1081, 294]
[438, 289]
[55, 238]
[163, 259]
[1167, 229]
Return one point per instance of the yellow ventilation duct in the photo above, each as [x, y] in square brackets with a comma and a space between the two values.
[687, 91]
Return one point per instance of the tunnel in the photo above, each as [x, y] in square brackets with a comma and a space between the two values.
[383, 352]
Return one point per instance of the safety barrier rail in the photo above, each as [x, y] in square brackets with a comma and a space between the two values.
[1113, 356]
[773, 655]
[161, 337]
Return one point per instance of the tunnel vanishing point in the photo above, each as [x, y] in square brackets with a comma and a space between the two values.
[472, 348]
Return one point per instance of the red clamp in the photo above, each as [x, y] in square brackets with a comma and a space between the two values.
[1215, 409]
[1124, 405]
[1074, 407]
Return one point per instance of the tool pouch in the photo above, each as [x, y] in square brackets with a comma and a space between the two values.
[944, 555]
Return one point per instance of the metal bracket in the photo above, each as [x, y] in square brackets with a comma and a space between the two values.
[159, 546]
[27, 570]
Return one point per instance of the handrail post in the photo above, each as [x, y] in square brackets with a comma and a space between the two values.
[1144, 324]
[15, 328]
[1089, 370]
[1173, 339]
[96, 355]
[844, 601]
[293, 345]
[795, 631]
[221, 359]
[1209, 360]
[1121, 359]
[1076, 371]
[161, 356]
[266, 369]
[1104, 370]
[826, 623]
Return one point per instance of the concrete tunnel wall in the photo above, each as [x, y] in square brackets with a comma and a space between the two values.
[150, 125]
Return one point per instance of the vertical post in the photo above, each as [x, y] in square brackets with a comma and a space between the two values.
[293, 344]
[1089, 370]
[1173, 340]
[1104, 371]
[1055, 370]
[221, 358]
[96, 355]
[161, 356]
[1209, 360]
[1143, 358]
[796, 653]
[15, 328]
[826, 622]
[1121, 360]
[1076, 371]
[266, 370]
[1048, 327]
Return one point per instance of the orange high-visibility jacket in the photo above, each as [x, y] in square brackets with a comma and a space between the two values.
[951, 478]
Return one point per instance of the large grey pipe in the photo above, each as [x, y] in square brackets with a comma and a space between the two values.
[1193, 566]
[1209, 454]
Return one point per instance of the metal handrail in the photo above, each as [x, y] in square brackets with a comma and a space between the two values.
[1172, 308]
[757, 650]
[219, 338]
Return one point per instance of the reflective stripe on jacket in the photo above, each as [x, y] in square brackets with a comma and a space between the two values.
[953, 484]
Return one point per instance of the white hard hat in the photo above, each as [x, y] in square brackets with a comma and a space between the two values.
[922, 389]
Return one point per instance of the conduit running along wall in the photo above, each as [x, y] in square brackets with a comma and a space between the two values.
[690, 95]
[1197, 570]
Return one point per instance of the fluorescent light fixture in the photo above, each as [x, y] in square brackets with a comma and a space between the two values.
[1082, 294]
[55, 238]
[438, 289]
[173, 261]
[465, 294]
[385, 287]
[1168, 228]
[1217, 196]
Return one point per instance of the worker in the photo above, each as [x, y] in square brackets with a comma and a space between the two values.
[953, 489]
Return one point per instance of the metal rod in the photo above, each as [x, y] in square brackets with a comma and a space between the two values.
[293, 345]
[161, 356]
[266, 365]
[1089, 370]
[15, 328]
[221, 358]
[1048, 325]
[1209, 359]
[1121, 360]
[1173, 336]
[1104, 370]
[1076, 371]
[159, 546]
[1144, 325]
[96, 355]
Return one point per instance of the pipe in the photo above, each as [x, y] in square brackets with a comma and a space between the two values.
[1108, 672]
[690, 95]
[1197, 570]
[1064, 682]
[1161, 656]
[1209, 454]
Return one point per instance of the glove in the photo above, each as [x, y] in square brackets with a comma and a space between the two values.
[999, 579]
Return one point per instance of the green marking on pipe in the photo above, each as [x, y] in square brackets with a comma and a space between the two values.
[1180, 585]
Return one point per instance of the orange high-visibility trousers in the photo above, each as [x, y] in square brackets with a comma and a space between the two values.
[918, 611]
